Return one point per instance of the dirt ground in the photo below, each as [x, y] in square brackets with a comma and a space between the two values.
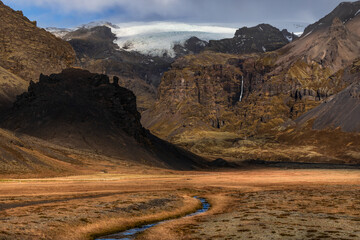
[246, 204]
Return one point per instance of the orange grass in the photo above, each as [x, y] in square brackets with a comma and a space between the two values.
[114, 225]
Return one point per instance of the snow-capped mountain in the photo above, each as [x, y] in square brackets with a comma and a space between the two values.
[156, 38]
[159, 38]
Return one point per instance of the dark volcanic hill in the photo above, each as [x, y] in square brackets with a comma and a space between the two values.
[82, 110]
[261, 38]
[27, 50]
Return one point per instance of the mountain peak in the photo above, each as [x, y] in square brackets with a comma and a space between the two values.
[345, 11]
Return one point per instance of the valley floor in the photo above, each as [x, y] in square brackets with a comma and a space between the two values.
[246, 204]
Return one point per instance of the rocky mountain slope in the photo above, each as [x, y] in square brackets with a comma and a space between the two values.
[81, 110]
[27, 50]
[261, 38]
[341, 110]
[346, 11]
[223, 105]
[10, 86]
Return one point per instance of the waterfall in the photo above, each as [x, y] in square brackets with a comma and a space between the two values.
[242, 88]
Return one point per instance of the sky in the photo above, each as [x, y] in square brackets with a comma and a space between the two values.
[232, 13]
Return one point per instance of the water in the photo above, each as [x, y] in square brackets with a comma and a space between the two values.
[131, 233]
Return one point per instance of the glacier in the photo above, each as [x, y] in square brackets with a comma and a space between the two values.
[159, 38]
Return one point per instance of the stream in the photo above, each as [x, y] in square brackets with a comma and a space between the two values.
[131, 233]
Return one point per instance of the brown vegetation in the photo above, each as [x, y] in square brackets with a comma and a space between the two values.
[243, 203]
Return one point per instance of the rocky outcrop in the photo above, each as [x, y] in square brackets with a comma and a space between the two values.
[262, 38]
[193, 45]
[27, 50]
[289, 36]
[82, 110]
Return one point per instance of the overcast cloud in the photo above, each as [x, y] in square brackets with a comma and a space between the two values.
[229, 12]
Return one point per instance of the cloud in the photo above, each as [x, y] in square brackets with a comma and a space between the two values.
[91, 6]
[196, 11]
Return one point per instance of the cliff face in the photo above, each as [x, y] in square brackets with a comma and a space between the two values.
[27, 50]
[82, 110]
[210, 92]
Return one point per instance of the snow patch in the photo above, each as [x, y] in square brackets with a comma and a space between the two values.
[263, 48]
[357, 12]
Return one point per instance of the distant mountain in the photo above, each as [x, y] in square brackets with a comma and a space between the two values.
[81, 110]
[156, 39]
[261, 38]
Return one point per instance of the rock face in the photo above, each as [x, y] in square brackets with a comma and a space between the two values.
[27, 50]
[82, 110]
[262, 38]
